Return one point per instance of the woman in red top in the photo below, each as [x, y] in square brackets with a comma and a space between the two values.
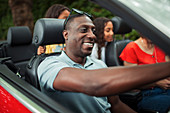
[156, 96]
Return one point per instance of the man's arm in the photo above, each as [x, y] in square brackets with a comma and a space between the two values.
[125, 63]
[167, 58]
[109, 81]
[164, 84]
[117, 106]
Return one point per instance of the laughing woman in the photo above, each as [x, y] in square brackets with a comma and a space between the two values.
[104, 33]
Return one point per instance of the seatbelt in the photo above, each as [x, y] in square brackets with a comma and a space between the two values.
[8, 62]
[2, 50]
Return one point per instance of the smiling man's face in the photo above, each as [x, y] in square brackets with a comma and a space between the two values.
[80, 37]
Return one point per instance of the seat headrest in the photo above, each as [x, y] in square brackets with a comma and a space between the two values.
[120, 27]
[48, 31]
[19, 35]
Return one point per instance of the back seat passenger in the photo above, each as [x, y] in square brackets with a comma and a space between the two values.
[120, 28]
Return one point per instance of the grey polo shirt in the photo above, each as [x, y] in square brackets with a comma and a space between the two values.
[76, 102]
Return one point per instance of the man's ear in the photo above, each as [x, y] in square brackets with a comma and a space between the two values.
[65, 34]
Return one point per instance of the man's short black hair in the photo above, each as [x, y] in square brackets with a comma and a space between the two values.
[70, 19]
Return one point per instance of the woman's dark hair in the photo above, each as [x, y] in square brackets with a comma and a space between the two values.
[148, 41]
[100, 23]
[55, 10]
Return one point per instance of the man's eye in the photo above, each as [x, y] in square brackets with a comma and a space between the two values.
[93, 30]
[83, 30]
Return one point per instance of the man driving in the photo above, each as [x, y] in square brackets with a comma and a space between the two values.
[85, 85]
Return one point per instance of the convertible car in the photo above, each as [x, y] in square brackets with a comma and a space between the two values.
[19, 87]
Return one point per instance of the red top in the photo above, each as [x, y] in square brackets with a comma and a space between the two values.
[133, 54]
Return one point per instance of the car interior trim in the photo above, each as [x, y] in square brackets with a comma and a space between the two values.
[21, 98]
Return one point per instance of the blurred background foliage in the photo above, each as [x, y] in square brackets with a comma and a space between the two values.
[40, 7]
[5, 18]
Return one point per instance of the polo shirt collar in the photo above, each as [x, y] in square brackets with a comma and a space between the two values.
[88, 62]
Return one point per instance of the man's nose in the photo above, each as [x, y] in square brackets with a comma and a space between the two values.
[91, 34]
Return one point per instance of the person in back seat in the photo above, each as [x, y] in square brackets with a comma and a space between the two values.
[85, 85]
[104, 33]
[55, 11]
[142, 51]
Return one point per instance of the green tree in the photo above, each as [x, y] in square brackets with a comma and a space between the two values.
[39, 8]
[22, 13]
[5, 19]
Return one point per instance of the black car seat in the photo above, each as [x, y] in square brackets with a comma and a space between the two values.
[2, 48]
[120, 26]
[131, 98]
[46, 31]
[19, 47]
[118, 48]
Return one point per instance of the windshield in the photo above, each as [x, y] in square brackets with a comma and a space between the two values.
[156, 12]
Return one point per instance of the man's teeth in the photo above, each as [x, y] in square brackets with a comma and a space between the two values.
[89, 44]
